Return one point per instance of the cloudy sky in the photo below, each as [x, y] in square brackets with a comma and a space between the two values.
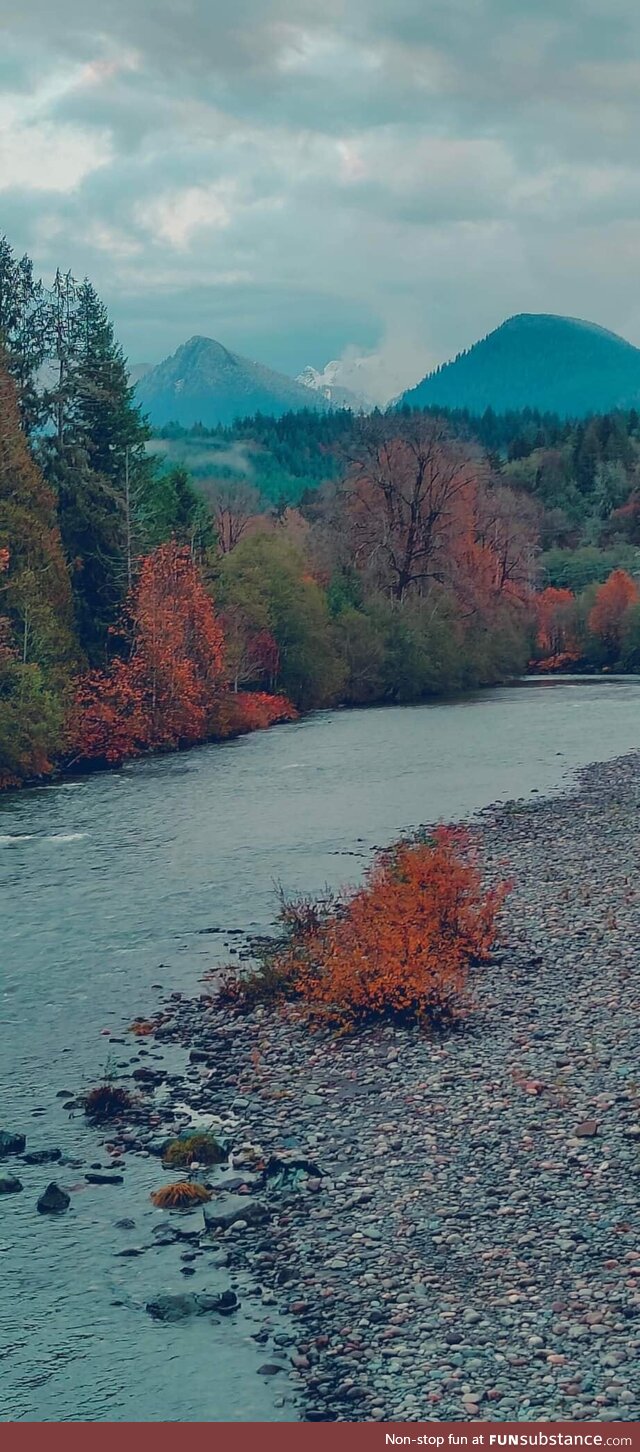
[387, 178]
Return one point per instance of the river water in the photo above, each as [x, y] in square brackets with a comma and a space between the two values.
[116, 884]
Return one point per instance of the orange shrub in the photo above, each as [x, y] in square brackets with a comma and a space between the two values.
[243, 711]
[183, 1195]
[400, 945]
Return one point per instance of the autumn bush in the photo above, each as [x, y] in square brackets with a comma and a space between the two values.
[237, 712]
[183, 1195]
[400, 946]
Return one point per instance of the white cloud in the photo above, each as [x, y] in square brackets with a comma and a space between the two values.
[178, 217]
[47, 157]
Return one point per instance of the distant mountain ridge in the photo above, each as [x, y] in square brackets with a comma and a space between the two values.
[537, 360]
[203, 382]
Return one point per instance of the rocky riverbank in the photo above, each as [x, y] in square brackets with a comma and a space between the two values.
[446, 1228]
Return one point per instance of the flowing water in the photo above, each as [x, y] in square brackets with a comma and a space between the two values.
[114, 885]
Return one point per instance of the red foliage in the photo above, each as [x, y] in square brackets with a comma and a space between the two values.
[165, 694]
[563, 661]
[250, 711]
[171, 690]
[401, 944]
[555, 622]
[610, 607]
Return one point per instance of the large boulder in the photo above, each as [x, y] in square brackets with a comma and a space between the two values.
[53, 1200]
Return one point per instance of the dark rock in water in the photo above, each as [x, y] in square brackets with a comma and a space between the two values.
[224, 1304]
[11, 1144]
[179, 1307]
[98, 1179]
[41, 1157]
[53, 1200]
[172, 1308]
[125, 1224]
[131, 1251]
[10, 1185]
[270, 1368]
[232, 1208]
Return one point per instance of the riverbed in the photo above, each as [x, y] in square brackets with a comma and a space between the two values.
[119, 888]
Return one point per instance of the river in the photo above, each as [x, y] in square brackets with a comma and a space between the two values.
[115, 886]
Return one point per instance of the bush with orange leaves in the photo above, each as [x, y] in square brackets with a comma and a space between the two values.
[242, 711]
[399, 946]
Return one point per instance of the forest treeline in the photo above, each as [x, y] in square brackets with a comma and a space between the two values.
[144, 606]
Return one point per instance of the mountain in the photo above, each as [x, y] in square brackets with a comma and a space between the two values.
[204, 383]
[328, 383]
[537, 360]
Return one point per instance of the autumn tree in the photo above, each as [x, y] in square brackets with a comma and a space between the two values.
[166, 693]
[555, 622]
[37, 650]
[607, 617]
[36, 596]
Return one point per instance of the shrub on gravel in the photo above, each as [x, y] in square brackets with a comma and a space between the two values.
[400, 946]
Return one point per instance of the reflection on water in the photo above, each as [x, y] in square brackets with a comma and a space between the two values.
[112, 886]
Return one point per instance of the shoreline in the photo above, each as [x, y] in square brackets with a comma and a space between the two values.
[460, 1244]
[77, 772]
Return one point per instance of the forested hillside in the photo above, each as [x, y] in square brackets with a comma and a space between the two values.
[298, 562]
[537, 360]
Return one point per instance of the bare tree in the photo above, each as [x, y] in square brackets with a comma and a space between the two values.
[233, 503]
[410, 493]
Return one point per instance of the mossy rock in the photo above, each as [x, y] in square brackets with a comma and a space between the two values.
[203, 1148]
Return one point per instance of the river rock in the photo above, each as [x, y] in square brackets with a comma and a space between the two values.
[10, 1185]
[179, 1307]
[230, 1208]
[172, 1307]
[41, 1157]
[53, 1200]
[96, 1178]
[11, 1144]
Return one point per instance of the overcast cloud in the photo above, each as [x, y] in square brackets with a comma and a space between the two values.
[301, 180]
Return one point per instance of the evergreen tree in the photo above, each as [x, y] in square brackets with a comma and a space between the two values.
[98, 461]
[24, 332]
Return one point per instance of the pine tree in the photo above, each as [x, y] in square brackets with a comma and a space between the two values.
[24, 332]
[98, 462]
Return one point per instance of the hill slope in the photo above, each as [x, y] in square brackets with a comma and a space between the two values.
[204, 383]
[537, 360]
